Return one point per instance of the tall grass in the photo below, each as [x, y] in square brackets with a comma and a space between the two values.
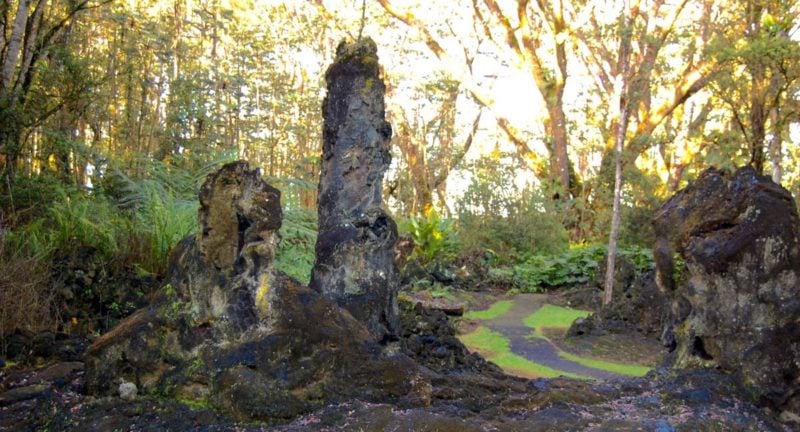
[26, 301]
[127, 225]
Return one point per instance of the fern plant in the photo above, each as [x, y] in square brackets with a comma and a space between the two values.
[295, 254]
[434, 238]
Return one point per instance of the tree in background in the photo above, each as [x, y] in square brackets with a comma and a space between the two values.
[428, 146]
[759, 86]
[39, 74]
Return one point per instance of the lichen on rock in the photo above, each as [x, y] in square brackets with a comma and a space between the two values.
[737, 306]
[355, 248]
[230, 331]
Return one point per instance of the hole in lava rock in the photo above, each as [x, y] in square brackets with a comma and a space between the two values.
[244, 223]
[699, 350]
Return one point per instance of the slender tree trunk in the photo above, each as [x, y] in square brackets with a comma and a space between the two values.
[619, 145]
[758, 91]
[757, 128]
[775, 149]
[14, 44]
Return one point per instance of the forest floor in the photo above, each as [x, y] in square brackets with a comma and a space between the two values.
[524, 334]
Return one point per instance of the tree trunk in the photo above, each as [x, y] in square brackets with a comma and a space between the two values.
[622, 127]
[757, 129]
[14, 44]
[560, 158]
[775, 148]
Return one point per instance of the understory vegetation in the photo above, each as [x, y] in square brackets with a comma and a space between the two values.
[113, 113]
[124, 227]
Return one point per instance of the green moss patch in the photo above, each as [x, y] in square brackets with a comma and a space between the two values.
[496, 310]
[550, 316]
[497, 349]
[557, 317]
[617, 368]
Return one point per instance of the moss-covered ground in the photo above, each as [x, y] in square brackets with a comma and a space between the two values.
[548, 323]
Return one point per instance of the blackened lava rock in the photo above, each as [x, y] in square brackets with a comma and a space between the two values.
[737, 306]
[230, 331]
[637, 306]
[427, 337]
[355, 263]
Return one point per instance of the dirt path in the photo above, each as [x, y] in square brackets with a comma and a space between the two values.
[546, 351]
[537, 350]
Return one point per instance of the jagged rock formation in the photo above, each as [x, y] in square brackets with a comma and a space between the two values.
[636, 306]
[230, 331]
[737, 303]
[355, 248]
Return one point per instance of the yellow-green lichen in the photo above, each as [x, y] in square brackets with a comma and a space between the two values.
[262, 292]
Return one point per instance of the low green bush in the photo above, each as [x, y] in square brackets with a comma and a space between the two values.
[577, 265]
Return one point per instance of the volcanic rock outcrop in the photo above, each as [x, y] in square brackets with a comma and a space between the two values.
[736, 304]
[230, 331]
[355, 249]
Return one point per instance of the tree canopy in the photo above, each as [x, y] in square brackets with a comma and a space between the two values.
[544, 92]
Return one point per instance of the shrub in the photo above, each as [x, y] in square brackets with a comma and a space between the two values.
[511, 220]
[575, 266]
[435, 239]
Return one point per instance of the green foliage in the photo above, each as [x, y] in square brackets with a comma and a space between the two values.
[29, 198]
[435, 239]
[296, 252]
[72, 222]
[510, 220]
[574, 266]
[161, 210]
[132, 222]
[577, 265]
[641, 257]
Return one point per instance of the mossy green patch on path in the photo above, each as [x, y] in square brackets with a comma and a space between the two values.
[617, 368]
[525, 337]
[494, 311]
[497, 349]
[557, 317]
[550, 316]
